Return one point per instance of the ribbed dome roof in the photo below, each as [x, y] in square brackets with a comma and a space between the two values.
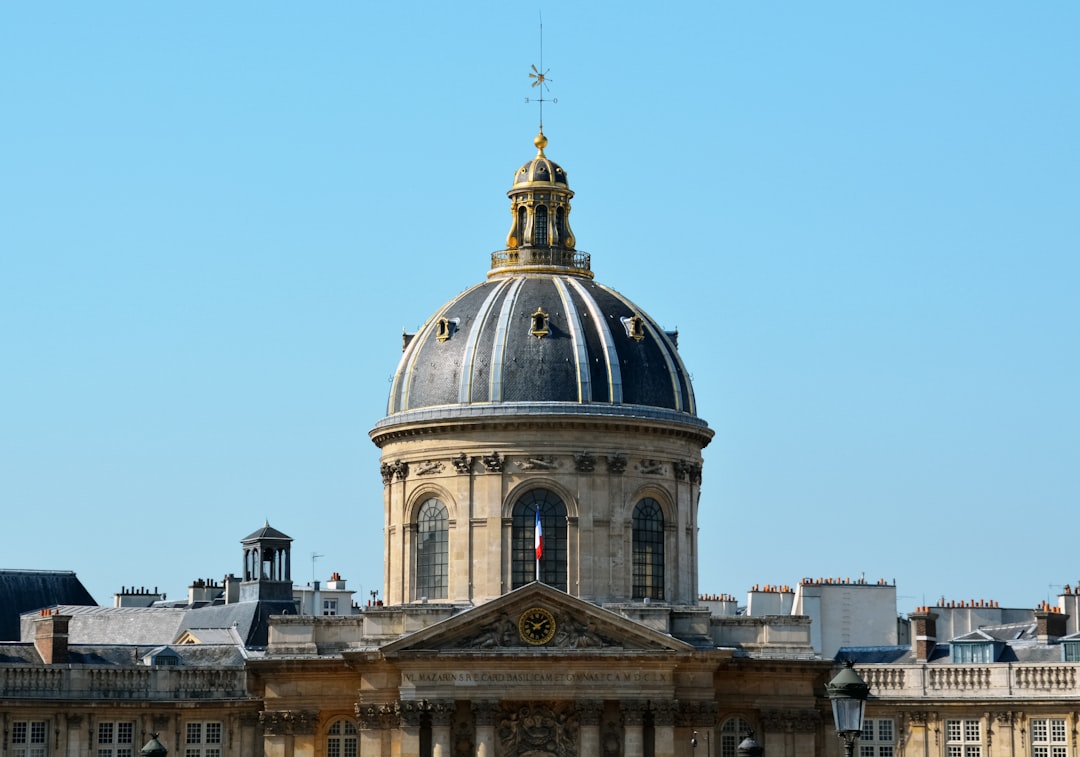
[541, 338]
[540, 335]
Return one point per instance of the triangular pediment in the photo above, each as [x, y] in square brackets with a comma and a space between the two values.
[535, 618]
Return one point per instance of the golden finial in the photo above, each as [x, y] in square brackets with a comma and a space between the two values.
[541, 142]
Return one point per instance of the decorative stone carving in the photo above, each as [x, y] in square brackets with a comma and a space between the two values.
[687, 470]
[584, 462]
[501, 632]
[493, 462]
[429, 467]
[589, 712]
[387, 473]
[463, 740]
[411, 711]
[442, 712]
[918, 718]
[538, 729]
[696, 715]
[633, 713]
[664, 711]
[611, 742]
[401, 470]
[289, 722]
[485, 713]
[616, 463]
[374, 716]
[463, 463]
[791, 721]
[651, 467]
[538, 463]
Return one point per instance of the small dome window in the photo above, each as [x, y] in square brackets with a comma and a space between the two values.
[445, 328]
[540, 323]
[635, 327]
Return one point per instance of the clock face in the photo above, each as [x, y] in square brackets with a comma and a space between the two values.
[536, 626]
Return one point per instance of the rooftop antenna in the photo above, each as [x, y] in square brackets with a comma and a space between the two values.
[314, 557]
[540, 78]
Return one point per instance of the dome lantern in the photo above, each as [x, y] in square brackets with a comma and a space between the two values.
[540, 238]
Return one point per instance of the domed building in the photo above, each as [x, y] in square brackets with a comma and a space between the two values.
[540, 405]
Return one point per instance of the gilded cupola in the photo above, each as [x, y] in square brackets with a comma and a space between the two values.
[540, 238]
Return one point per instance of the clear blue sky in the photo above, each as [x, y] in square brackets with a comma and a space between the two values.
[216, 219]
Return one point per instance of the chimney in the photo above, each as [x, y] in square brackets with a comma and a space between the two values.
[51, 637]
[923, 633]
[1050, 624]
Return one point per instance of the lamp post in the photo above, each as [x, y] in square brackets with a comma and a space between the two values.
[708, 744]
[154, 748]
[848, 693]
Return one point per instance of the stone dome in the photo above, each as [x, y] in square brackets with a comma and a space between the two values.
[540, 336]
[535, 339]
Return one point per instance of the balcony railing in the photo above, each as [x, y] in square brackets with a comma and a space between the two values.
[542, 257]
[139, 683]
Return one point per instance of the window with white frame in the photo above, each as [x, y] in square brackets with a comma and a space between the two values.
[29, 738]
[973, 651]
[963, 738]
[203, 739]
[329, 607]
[878, 738]
[1048, 737]
[341, 739]
[732, 732]
[115, 738]
[1070, 651]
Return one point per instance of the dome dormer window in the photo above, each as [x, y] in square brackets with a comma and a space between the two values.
[635, 327]
[540, 323]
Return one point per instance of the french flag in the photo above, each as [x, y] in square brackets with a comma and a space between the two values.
[538, 538]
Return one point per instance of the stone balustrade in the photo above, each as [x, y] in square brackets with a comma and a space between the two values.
[976, 681]
[128, 682]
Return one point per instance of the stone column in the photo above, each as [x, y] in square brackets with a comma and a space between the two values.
[410, 713]
[289, 733]
[442, 717]
[70, 741]
[664, 727]
[589, 714]
[484, 715]
[633, 716]
[374, 720]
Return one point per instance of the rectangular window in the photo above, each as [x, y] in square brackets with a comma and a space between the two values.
[203, 740]
[329, 607]
[878, 738]
[1048, 738]
[977, 653]
[116, 739]
[1071, 651]
[963, 738]
[28, 739]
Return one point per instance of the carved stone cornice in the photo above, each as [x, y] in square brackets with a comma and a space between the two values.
[289, 722]
[462, 463]
[918, 718]
[493, 462]
[411, 712]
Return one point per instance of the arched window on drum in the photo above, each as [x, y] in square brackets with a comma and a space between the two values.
[432, 550]
[648, 550]
[553, 527]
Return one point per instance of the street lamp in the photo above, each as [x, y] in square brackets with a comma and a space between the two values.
[708, 744]
[154, 748]
[848, 693]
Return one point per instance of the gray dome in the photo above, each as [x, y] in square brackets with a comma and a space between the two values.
[541, 339]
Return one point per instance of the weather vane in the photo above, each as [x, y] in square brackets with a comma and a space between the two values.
[540, 78]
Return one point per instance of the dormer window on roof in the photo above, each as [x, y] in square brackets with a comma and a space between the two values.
[974, 651]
